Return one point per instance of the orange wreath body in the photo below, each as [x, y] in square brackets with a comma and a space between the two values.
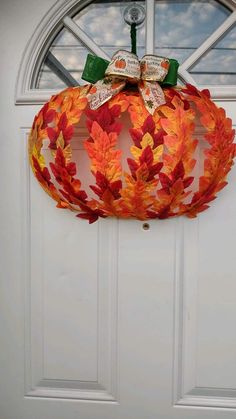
[161, 177]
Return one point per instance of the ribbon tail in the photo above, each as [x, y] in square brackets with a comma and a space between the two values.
[103, 90]
[152, 94]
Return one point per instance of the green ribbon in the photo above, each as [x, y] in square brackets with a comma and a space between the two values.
[95, 68]
[171, 78]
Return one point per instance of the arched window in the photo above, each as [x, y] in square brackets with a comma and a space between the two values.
[200, 34]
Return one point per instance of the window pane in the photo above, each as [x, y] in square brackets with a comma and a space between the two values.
[218, 65]
[182, 26]
[49, 80]
[71, 53]
[103, 21]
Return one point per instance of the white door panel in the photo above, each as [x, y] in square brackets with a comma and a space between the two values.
[107, 321]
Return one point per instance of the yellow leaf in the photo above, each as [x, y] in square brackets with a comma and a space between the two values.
[67, 152]
[157, 153]
[136, 152]
[147, 140]
[60, 141]
[39, 157]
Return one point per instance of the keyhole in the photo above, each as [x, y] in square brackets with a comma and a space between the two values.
[146, 226]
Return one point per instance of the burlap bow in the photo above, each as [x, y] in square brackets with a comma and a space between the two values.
[126, 67]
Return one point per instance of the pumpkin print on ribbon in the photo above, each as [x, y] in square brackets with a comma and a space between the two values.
[161, 176]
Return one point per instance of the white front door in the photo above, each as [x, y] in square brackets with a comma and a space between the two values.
[110, 320]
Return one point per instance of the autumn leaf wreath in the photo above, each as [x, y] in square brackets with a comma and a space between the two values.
[167, 171]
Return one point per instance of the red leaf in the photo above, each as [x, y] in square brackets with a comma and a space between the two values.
[87, 216]
[81, 195]
[166, 182]
[104, 118]
[46, 174]
[101, 181]
[55, 171]
[154, 170]
[117, 185]
[206, 92]
[187, 181]
[195, 198]
[146, 156]
[115, 188]
[49, 116]
[39, 177]
[91, 114]
[42, 175]
[66, 195]
[85, 208]
[115, 111]
[186, 105]
[68, 133]
[171, 94]
[52, 134]
[73, 189]
[158, 138]
[164, 213]
[178, 171]
[133, 167]
[136, 136]
[149, 125]
[75, 184]
[36, 164]
[190, 90]
[60, 159]
[152, 214]
[62, 122]
[71, 168]
[96, 190]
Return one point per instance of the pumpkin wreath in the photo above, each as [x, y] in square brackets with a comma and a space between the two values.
[161, 179]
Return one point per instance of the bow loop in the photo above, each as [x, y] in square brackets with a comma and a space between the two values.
[124, 65]
[154, 68]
